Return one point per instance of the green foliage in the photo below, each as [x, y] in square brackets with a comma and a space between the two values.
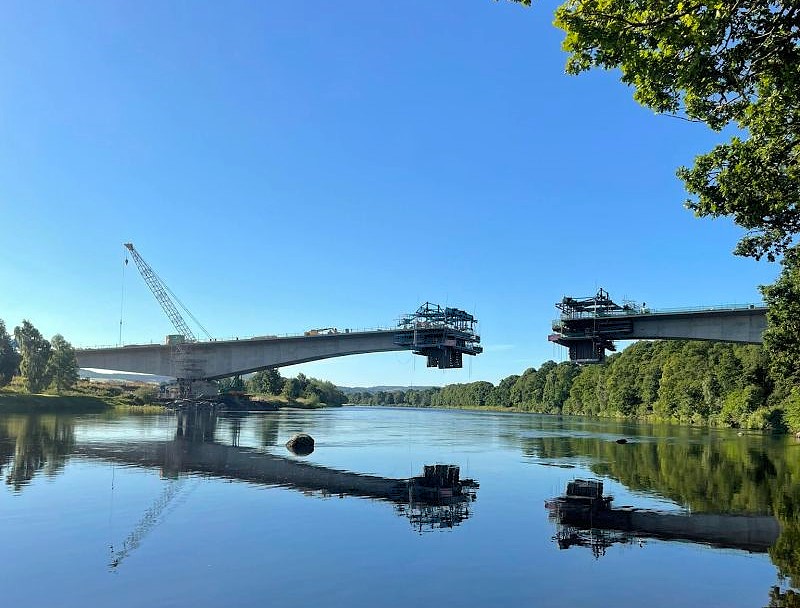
[791, 409]
[62, 365]
[414, 397]
[233, 384]
[311, 390]
[783, 320]
[588, 395]
[675, 381]
[9, 357]
[739, 404]
[35, 351]
[501, 395]
[322, 391]
[146, 394]
[267, 382]
[474, 394]
[292, 388]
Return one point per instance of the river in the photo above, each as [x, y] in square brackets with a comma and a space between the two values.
[213, 510]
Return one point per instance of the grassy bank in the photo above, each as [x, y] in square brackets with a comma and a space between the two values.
[86, 397]
[18, 403]
[275, 402]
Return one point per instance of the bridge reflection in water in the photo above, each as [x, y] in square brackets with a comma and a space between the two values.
[585, 518]
[436, 499]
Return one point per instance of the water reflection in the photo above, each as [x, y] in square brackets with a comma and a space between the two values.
[201, 446]
[30, 444]
[436, 499]
[585, 517]
[149, 520]
[704, 473]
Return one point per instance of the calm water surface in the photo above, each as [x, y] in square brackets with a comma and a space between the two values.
[175, 510]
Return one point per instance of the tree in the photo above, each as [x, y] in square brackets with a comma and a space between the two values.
[322, 391]
[9, 357]
[267, 382]
[62, 365]
[292, 388]
[783, 320]
[722, 63]
[35, 351]
[233, 384]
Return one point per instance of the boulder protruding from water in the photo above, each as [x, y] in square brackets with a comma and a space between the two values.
[301, 444]
[622, 440]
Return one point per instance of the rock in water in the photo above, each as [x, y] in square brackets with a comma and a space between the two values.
[301, 444]
[622, 440]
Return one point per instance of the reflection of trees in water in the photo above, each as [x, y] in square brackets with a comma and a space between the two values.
[712, 476]
[785, 553]
[40, 443]
[268, 429]
[7, 445]
[736, 475]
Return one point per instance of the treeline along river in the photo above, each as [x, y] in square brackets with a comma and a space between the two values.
[668, 381]
[209, 510]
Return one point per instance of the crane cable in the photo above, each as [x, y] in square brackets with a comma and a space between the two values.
[122, 300]
[186, 310]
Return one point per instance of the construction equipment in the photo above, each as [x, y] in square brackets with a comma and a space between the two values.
[442, 335]
[180, 343]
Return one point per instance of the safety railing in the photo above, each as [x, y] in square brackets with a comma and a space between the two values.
[646, 310]
[304, 334]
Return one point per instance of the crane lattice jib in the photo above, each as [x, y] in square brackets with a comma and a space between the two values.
[160, 291]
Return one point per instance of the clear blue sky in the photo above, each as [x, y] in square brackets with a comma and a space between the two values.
[290, 165]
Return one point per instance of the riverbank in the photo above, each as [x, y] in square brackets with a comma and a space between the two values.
[23, 403]
[102, 399]
[651, 420]
[245, 402]
[85, 397]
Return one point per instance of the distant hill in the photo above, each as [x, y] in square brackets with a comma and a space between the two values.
[349, 390]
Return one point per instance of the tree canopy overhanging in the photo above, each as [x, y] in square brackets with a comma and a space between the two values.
[720, 63]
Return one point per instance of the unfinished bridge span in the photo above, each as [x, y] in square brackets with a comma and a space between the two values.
[442, 335]
[588, 326]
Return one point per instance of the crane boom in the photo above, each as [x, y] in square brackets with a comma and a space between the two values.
[162, 294]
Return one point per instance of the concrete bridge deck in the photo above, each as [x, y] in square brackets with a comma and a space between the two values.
[225, 358]
[588, 327]
[443, 347]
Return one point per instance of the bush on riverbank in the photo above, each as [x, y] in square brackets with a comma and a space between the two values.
[301, 391]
